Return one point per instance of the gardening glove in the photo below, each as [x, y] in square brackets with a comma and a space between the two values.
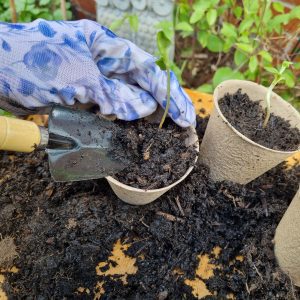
[56, 62]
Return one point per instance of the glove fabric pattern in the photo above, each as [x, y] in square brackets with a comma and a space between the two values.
[48, 62]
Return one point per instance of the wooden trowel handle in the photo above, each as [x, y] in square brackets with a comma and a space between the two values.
[18, 135]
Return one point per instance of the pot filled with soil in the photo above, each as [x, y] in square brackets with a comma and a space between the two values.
[236, 145]
[159, 159]
[287, 241]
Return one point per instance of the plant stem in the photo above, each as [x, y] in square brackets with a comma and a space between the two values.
[268, 102]
[13, 11]
[168, 98]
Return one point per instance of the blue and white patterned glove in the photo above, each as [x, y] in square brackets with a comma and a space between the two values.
[46, 62]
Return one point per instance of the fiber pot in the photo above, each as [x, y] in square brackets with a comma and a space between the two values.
[137, 196]
[287, 241]
[231, 155]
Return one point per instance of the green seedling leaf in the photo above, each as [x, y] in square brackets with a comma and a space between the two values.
[245, 47]
[161, 63]
[295, 13]
[253, 63]
[240, 58]
[297, 66]
[278, 6]
[205, 88]
[115, 25]
[228, 44]
[184, 26]
[167, 28]
[229, 30]
[134, 22]
[211, 16]
[271, 70]
[226, 73]
[214, 43]
[289, 78]
[163, 43]
[265, 55]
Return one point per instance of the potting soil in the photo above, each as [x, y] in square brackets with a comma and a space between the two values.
[158, 157]
[63, 230]
[248, 116]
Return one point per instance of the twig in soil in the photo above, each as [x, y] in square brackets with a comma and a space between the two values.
[169, 217]
[141, 220]
[179, 206]
[257, 271]
[247, 288]
[146, 154]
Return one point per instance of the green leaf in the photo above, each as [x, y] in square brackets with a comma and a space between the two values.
[134, 22]
[203, 38]
[238, 11]
[200, 8]
[205, 88]
[115, 25]
[160, 62]
[44, 2]
[226, 73]
[295, 13]
[245, 25]
[163, 44]
[229, 30]
[239, 58]
[245, 47]
[278, 6]
[297, 66]
[184, 26]
[271, 70]
[211, 16]
[289, 78]
[167, 28]
[253, 63]
[214, 43]
[228, 44]
[265, 55]
[5, 113]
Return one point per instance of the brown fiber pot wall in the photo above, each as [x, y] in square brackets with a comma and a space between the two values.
[231, 155]
[137, 196]
[287, 241]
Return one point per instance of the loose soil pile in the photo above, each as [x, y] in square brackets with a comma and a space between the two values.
[62, 231]
[158, 157]
[247, 117]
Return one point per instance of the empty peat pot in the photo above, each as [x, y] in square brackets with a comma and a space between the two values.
[137, 196]
[229, 154]
[287, 241]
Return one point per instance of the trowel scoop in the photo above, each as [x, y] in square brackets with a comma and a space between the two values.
[79, 144]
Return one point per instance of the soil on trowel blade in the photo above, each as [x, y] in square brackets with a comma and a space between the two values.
[247, 117]
[62, 231]
[158, 157]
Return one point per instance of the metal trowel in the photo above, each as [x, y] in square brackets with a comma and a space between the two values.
[79, 144]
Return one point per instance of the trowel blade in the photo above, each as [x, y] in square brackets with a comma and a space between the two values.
[80, 145]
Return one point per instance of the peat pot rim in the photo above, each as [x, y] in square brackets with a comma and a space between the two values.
[168, 187]
[239, 84]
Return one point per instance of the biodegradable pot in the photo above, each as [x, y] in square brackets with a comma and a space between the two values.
[287, 241]
[137, 196]
[229, 154]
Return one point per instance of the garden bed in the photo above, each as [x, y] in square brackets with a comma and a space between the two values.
[200, 239]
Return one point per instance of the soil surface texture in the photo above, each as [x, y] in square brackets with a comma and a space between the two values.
[63, 230]
[158, 157]
[247, 117]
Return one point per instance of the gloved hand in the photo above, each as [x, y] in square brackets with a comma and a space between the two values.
[47, 62]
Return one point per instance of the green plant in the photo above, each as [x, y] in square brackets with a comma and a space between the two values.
[133, 21]
[164, 41]
[278, 76]
[29, 10]
[245, 37]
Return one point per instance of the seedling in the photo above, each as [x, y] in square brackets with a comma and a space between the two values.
[163, 44]
[278, 76]
[132, 19]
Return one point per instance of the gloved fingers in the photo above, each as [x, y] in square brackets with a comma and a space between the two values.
[119, 58]
[128, 102]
